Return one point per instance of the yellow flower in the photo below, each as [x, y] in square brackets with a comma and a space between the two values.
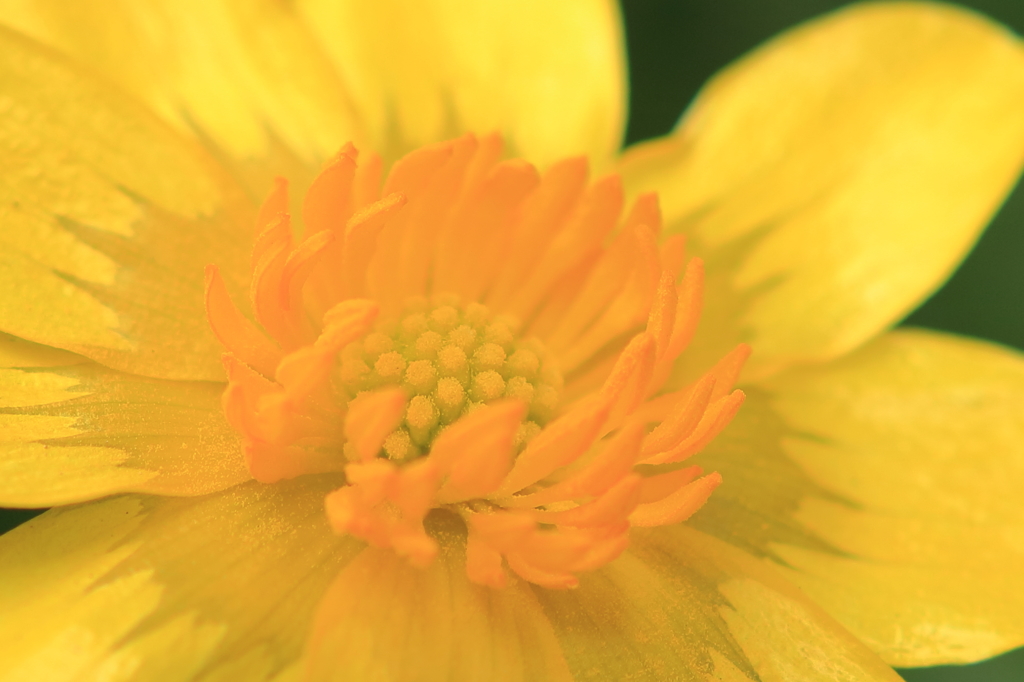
[867, 512]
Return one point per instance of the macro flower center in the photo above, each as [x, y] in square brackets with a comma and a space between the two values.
[450, 360]
[473, 336]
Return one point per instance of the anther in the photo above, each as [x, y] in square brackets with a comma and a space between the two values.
[428, 344]
[421, 416]
[488, 356]
[463, 336]
[414, 325]
[420, 376]
[444, 318]
[520, 389]
[488, 386]
[398, 446]
[524, 363]
[498, 333]
[390, 366]
[451, 361]
[450, 396]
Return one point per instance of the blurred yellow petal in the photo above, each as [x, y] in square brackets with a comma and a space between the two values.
[837, 175]
[550, 76]
[921, 437]
[680, 605]
[109, 219]
[73, 431]
[167, 589]
[245, 75]
[382, 619]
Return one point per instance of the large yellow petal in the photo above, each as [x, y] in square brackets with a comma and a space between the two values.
[108, 221]
[680, 605]
[837, 175]
[920, 439]
[220, 587]
[549, 75]
[72, 430]
[243, 74]
[384, 620]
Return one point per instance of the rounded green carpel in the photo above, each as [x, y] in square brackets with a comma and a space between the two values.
[450, 359]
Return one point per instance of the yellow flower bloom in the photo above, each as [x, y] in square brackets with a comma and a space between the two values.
[867, 511]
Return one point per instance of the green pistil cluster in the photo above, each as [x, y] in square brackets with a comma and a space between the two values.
[450, 359]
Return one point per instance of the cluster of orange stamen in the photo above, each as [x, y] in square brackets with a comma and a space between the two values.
[611, 305]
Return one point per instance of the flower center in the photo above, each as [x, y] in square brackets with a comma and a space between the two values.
[388, 350]
[450, 360]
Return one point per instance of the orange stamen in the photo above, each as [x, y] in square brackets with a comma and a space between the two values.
[626, 386]
[661, 486]
[561, 443]
[716, 418]
[297, 269]
[477, 465]
[683, 418]
[606, 469]
[265, 290]
[614, 505]
[629, 307]
[594, 219]
[467, 255]
[538, 222]
[678, 506]
[239, 335]
[673, 254]
[275, 205]
[360, 237]
[327, 199]
[370, 419]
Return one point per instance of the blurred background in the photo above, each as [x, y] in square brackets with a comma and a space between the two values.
[675, 46]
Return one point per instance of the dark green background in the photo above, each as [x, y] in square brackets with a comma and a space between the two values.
[674, 46]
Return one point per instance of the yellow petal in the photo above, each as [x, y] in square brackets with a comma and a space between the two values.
[15, 352]
[680, 605]
[920, 439]
[18, 352]
[550, 76]
[108, 220]
[73, 430]
[385, 620]
[835, 176]
[147, 588]
[244, 74]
